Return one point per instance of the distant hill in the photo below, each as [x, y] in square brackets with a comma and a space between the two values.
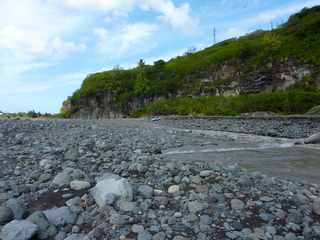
[285, 58]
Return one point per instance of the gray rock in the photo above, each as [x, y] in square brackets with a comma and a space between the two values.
[19, 230]
[316, 206]
[6, 215]
[137, 228]
[126, 206]
[145, 235]
[77, 237]
[17, 207]
[114, 184]
[159, 236]
[60, 216]
[68, 175]
[117, 219]
[71, 154]
[146, 191]
[79, 185]
[196, 206]
[237, 204]
[110, 198]
[314, 139]
[45, 230]
[205, 173]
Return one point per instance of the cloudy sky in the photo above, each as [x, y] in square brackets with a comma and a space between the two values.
[47, 47]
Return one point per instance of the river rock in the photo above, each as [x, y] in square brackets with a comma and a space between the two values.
[111, 183]
[6, 215]
[79, 185]
[316, 206]
[60, 216]
[17, 207]
[173, 189]
[68, 175]
[77, 237]
[45, 230]
[19, 230]
[237, 204]
[146, 191]
[314, 139]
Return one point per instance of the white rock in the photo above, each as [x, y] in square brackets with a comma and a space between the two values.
[111, 183]
[79, 185]
[45, 163]
[173, 189]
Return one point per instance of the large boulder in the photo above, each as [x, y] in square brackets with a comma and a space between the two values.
[60, 216]
[65, 177]
[6, 215]
[111, 183]
[314, 139]
[18, 208]
[19, 230]
[45, 229]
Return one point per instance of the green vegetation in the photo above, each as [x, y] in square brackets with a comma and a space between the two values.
[298, 39]
[294, 101]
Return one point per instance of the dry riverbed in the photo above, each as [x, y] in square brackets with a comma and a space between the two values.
[132, 179]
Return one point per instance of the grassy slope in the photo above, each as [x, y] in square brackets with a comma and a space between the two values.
[299, 38]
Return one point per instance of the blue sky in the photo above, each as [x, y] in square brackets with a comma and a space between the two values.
[47, 47]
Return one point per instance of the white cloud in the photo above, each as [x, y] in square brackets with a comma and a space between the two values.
[128, 39]
[33, 28]
[105, 5]
[178, 17]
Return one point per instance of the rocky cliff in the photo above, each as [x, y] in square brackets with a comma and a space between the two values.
[262, 61]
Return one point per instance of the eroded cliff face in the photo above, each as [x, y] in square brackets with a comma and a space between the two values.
[235, 78]
[228, 79]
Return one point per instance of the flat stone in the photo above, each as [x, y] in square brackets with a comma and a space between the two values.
[79, 185]
[19, 230]
[126, 206]
[196, 206]
[205, 173]
[137, 228]
[144, 236]
[237, 204]
[77, 237]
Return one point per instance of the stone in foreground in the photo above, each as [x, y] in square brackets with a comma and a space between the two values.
[19, 230]
[314, 139]
[111, 183]
[60, 216]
